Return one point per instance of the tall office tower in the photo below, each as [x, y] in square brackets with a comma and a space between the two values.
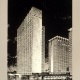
[31, 43]
[58, 55]
[70, 50]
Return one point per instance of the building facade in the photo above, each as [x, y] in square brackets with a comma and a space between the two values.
[31, 43]
[70, 50]
[58, 55]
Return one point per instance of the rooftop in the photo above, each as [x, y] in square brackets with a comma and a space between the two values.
[58, 37]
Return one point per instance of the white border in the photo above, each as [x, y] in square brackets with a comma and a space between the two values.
[3, 39]
[76, 40]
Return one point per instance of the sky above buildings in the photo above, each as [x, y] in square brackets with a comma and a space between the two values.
[56, 17]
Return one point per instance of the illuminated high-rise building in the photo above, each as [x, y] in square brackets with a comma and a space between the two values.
[58, 55]
[31, 44]
[70, 51]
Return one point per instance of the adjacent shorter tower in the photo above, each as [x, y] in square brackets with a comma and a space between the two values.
[58, 55]
[31, 44]
[70, 50]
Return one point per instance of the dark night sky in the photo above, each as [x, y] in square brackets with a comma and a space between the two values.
[56, 17]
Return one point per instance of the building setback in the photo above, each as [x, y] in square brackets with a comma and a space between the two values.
[31, 44]
[58, 55]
